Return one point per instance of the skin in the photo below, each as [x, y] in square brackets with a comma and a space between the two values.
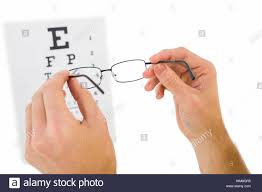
[58, 143]
[197, 109]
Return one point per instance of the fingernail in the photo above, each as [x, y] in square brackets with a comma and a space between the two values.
[158, 96]
[77, 81]
[159, 68]
[74, 80]
[147, 86]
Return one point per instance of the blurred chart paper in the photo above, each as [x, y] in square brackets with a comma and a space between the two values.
[37, 50]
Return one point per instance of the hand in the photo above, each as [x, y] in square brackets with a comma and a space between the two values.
[57, 142]
[197, 104]
[197, 108]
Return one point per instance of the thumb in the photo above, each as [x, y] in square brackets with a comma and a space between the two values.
[171, 80]
[86, 103]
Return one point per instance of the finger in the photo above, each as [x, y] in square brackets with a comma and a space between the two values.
[38, 111]
[160, 91]
[151, 84]
[28, 118]
[53, 97]
[84, 99]
[171, 80]
[162, 55]
[178, 54]
[31, 156]
[29, 132]
[57, 81]
[167, 54]
[148, 73]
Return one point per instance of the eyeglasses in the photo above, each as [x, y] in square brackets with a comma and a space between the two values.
[123, 72]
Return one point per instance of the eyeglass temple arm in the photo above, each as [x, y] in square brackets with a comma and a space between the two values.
[82, 75]
[192, 76]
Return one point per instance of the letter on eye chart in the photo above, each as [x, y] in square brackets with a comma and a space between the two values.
[56, 38]
[58, 44]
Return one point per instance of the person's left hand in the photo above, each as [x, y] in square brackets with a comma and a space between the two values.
[57, 142]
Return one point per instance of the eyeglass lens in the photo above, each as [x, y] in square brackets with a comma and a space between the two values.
[128, 71]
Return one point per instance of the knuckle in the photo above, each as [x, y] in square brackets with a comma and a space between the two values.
[183, 49]
[164, 50]
[45, 84]
[212, 68]
[46, 88]
[36, 95]
[183, 52]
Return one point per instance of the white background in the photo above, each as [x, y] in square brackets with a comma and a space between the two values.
[138, 29]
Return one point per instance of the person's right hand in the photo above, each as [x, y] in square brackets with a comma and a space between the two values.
[197, 103]
[197, 109]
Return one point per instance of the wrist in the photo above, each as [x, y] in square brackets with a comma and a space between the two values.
[218, 154]
[212, 136]
[214, 152]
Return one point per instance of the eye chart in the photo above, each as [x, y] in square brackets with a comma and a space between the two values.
[39, 49]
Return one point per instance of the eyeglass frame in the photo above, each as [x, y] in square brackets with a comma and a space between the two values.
[192, 76]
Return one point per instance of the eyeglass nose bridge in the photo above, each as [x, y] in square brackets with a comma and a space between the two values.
[110, 69]
[106, 70]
